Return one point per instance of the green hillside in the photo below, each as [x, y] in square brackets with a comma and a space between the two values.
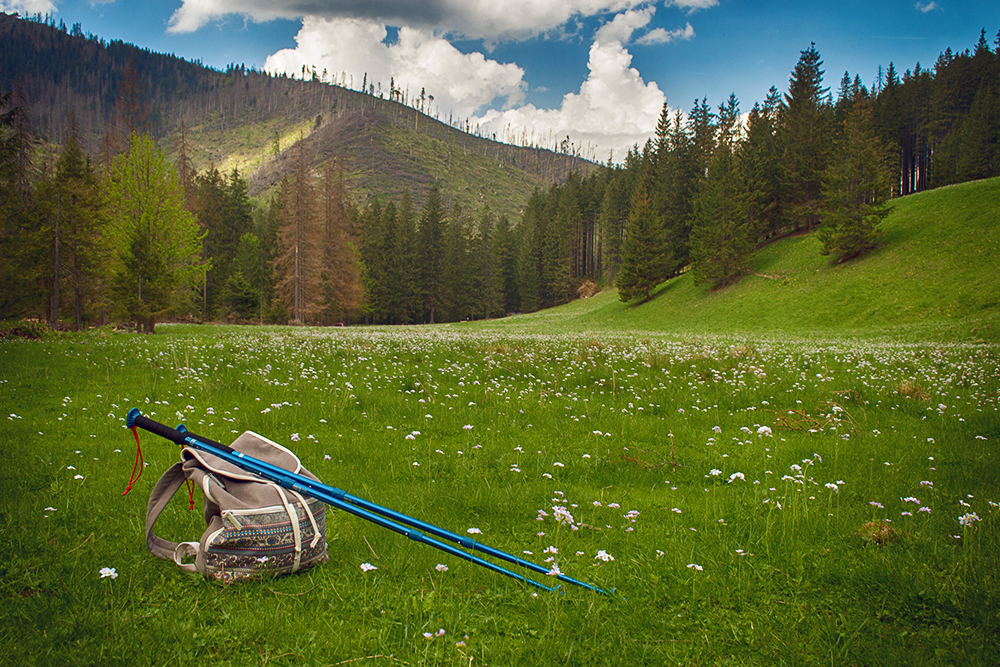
[247, 119]
[383, 157]
[937, 275]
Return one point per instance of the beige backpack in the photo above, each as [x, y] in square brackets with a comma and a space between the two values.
[255, 527]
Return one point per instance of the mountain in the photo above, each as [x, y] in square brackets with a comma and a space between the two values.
[247, 119]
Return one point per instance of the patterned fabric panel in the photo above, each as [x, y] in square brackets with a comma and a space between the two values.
[265, 545]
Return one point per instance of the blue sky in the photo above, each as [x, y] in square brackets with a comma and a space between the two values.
[596, 70]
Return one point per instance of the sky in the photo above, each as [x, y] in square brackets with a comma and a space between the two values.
[597, 71]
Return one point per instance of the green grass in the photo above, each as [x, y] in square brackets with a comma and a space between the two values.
[736, 452]
[636, 420]
[935, 277]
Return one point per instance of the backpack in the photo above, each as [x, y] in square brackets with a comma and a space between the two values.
[254, 527]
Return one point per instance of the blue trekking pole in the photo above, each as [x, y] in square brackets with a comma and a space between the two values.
[381, 516]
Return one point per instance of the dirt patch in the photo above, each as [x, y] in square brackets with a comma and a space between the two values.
[588, 289]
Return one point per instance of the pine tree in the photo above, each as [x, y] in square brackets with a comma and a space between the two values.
[720, 239]
[614, 215]
[375, 225]
[241, 292]
[643, 263]
[207, 207]
[761, 167]
[561, 214]
[457, 303]
[856, 188]
[340, 276]
[806, 133]
[529, 254]
[405, 271]
[681, 174]
[300, 250]
[430, 255]
[488, 299]
[75, 221]
[22, 241]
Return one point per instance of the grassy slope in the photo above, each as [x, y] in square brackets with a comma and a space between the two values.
[936, 274]
[385, 153]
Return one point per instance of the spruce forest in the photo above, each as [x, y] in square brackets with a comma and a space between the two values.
[138, 187]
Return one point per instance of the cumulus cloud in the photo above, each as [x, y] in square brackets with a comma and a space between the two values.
[613, 110]
[492, 20]
[621, 27]
[661, 36]
[460, 83]
[926, 7]
[693, 5]
[27, 7]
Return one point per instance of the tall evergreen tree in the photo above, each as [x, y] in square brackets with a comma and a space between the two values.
[430, 255]
[856, 188]
[681, 175]
[760, 164]
[643, 263]
[614, 215]
[300, 250]
[487, 281]
[207, 207]
[22, 241]
[376, 224]
[530, 234]
[506, 260]
[405, 270]
[75, 220]
[561, 216]
[806, 125]
[456, 270]
[341, 282]
[242, 291]
[720, 240]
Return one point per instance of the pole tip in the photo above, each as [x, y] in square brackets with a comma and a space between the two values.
[132, 416]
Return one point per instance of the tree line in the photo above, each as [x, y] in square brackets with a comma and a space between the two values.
[130, 236]
[713, 185]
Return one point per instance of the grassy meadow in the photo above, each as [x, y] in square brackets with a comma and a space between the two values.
[751, 499]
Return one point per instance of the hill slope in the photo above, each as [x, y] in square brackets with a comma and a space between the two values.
[936, 275]
[236, 119]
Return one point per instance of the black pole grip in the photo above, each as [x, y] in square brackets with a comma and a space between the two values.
[135, 419]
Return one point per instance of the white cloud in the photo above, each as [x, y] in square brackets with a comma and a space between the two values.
[693, 5]
[621, 27]
[624, 25]
[460, 83]
[613, 110]
[27, 7]
[661, 36]
[926, 7]
[492, 20]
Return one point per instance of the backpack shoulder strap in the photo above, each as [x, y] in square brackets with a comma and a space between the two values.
[164, 490]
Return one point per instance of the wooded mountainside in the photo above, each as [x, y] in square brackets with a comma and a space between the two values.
[334, 205]
[238, 117]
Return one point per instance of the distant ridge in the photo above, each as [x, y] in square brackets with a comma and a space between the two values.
[236, 117]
